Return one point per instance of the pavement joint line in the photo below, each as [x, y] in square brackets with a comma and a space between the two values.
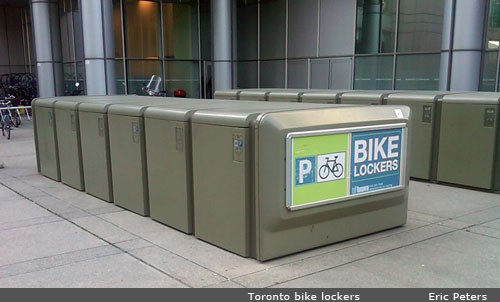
[56, 255]
[484, 235]
[361, 259]
[106, 241]
[28, 225]
[427, 214]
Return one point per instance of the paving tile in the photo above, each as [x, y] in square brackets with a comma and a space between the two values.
[134, 223]
[224, 263]
[43, 240]
[20, 209]
[112, 271]
[103, 229]
[57, 260]
[109, 208]
[19, 165]
[311, 265]
[184, 270]
[134, 244]
[447, 201]
[423, 264]
[7, 194]
[482, 216]
[56, 205]
[495, 224]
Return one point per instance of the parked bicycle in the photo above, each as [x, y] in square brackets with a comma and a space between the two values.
[7, 118]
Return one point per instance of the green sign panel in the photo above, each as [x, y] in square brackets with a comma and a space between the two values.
[333, 165]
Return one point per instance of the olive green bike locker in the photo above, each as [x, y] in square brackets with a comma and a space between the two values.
[240, 177]
[425, 121]
[128, 153]
[468, 139]
[169, 160]
[46, 138]
[94, 135]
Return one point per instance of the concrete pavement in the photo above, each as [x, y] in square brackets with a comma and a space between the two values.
[54, 236]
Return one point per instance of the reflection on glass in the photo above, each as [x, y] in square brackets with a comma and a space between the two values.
[493, 32]
[142, 28]
[180, 30]
[139, 72]
[376, 23]
[488, 71]
[420, 25]
[418, 72]
[183, 75]
[373, 72]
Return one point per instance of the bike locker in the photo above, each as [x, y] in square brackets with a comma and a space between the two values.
[255, 173]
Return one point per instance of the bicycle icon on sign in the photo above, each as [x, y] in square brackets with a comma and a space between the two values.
[331, 166]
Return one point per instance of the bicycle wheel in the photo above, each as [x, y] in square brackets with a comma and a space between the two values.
[324, 171]
[17, 121]
[8, 128]
[338, 170]
[3, 130]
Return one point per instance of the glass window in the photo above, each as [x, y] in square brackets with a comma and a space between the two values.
[297, 74]
[182, 75]
[418, 72]
[272, 29]
[117, 29]
[180, 30]
[272, 74]
[142, 28]
[489, 69]
[375, 26]
[420, 25]
[119, 77]
[139, 72]
[493, 32]
[247, 27]
[373, 72]
[247, 74]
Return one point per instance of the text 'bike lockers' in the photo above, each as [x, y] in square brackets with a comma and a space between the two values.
[338, 164]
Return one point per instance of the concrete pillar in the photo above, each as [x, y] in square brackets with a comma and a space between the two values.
[47, 38]
[221, 31]
[446, 39]
[372, 11]
[98, 50]
[467, 44]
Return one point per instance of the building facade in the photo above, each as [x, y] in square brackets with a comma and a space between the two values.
[115, 46]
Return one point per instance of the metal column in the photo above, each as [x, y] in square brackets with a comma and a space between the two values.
[97, 23]
[467, 44]
[221, 27]
[48, 47]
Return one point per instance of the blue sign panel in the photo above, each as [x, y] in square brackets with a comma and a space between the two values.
[375, 160]
[305, 170]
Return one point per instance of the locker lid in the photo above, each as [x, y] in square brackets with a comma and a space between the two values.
[67, 105]
[246, 113]
[183, 111]
[44, 102]
[226, 93]
[102, 105]
[480, 98]
[286, 93]
[257, 92]
[326, 94]
[422, 96]
[365, 95]
[137, 108]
